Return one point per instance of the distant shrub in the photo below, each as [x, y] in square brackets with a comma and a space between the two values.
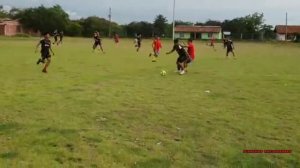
[22, 35]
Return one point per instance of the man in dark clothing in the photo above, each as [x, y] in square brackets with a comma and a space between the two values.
[45, 44]
[98, 41]
[230, 48]
[183, 56]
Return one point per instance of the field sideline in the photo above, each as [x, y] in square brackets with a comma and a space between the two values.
[115, 110]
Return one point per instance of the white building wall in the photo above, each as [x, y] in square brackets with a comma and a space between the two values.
[280, 37]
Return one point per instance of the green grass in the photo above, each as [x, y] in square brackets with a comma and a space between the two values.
[115, 110]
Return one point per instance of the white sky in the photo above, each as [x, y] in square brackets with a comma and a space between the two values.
[125, 11]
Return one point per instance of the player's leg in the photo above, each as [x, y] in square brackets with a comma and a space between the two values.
[39, 60]
[182, 71]
[227, 53]
[101, 48]
[181, 64]
[233, 54]
[138, 47]
[94, 46]
[48, 61]
[156, 53]
[186, 63]
[178, 65]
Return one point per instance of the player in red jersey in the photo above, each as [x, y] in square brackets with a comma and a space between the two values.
[156, 46]
[191, 49]
[116, 38]
[212, 42]
[191, 52]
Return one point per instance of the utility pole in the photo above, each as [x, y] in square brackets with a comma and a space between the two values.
[174, 3]
[109, 17]
[286, 26]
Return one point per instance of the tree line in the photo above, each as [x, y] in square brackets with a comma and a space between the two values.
[47, 19]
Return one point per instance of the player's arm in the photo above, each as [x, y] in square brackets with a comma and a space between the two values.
[51, 50]
[170, 52]
[37, 46]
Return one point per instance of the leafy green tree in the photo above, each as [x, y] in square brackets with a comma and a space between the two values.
[160, 25]
[74, 28]
[248, 27]
[44, 19]
[268, 31]
[212, 23]
[3, 13]
[180, 22]
[94, 23]
[145, 28]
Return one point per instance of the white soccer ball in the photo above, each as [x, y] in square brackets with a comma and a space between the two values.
[163, 73]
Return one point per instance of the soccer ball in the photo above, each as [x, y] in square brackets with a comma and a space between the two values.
[163, 73]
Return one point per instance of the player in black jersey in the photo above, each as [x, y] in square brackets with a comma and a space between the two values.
[98, 41]
[45, 44]
[55, 35]
[61, 36]
[138, 41]
[230, 48]
[183, 56]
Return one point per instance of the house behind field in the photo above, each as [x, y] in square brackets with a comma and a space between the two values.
[9, 27]
[291, 31]
[198, 32]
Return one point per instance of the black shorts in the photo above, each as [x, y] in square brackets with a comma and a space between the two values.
[55, 38]
[97, 43]
[182, 59]
[229, 50]
[45, 55]
[189, 60]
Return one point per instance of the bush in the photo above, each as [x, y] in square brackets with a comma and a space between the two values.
[22, 35]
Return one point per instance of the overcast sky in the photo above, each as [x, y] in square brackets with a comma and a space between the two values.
[125, 11]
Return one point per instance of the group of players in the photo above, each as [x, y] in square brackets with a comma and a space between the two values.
[186, 53]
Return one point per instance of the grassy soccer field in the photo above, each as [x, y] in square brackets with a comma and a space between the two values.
[115, 110]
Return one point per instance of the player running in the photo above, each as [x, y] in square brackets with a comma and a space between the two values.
[183, 56]
[230, 48]
[212, 42]
[224, 42]
[45, 44]
[138, 41]
[55, 35]
[116, 38]
[98, 42]
[61, 36]
[191, 52]
[156, 46]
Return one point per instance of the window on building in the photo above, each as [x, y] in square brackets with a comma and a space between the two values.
[210, 35]
[181, 35]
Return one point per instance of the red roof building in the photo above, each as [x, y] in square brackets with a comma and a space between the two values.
[291, 32]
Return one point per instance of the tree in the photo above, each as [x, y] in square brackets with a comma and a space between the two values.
[94, 23]
[74, 28]
[3, 13]
[180, 22]
[247, 27]
[13, 13]
[44, 19]
[160, 25]
[199, 24]
[267, 31]
[144, 28]
[212, 23]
